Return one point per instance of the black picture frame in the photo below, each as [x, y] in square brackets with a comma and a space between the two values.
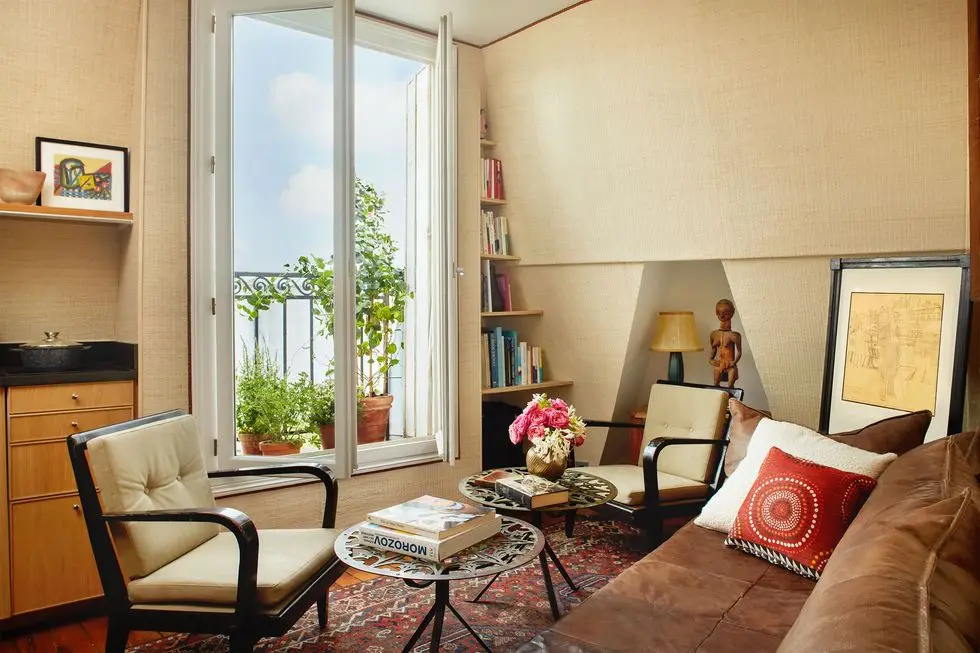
[957, 391]
[38, 140]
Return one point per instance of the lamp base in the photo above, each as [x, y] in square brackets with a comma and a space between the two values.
[675, 368]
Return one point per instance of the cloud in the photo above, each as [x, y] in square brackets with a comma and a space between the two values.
[303, 108]
[308, 193]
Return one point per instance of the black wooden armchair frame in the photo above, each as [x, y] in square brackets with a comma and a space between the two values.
[246, 624]
[650, 516]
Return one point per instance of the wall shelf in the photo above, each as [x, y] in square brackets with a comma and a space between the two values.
[492, 201]
[499, 257]
[31, 212]
[512, 313]
[486, 142]
[530, 387]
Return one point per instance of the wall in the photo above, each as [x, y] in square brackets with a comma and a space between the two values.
[650, 130]
[67, 71]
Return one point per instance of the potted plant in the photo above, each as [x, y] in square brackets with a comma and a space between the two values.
[271, 412]
[323, 412]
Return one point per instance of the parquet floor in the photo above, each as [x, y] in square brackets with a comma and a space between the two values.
[89, 636]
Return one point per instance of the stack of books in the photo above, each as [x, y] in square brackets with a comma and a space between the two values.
[493, 179]
[429, 527]
[494, 289]
[531, 491]
[495, 234]
[507, 361]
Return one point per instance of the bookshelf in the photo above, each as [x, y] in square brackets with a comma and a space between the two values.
[530, 387]
[500, 257]
[530, 313]
[32, 212]
[492, 201]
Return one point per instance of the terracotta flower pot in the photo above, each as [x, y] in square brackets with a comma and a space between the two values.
[279, 448]
[251, 441]
[372, 423]
[327, 436]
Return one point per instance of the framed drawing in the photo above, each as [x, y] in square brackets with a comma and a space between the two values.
[896, 341]
[83, 175]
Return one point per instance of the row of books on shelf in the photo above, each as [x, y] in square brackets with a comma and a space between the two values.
[509, 362]
[429, 527]
[493, 179]
[495, 234]
[494, 289]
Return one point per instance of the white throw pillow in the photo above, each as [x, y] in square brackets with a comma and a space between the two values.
[720, 511]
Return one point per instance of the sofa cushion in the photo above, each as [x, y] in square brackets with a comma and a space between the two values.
[157, 466]
[719, 513]
[209, 573]
[628, 480]
[898, 435]
[797, 511]
[676, 411]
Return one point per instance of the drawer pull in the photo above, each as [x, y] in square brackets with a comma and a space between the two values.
[74, 396]
[74, 425]
[75, 506]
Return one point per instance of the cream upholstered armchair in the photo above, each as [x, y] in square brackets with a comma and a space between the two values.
[170, 560]
[681, 455]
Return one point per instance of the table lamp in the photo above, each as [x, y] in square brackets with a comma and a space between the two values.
[676, 333]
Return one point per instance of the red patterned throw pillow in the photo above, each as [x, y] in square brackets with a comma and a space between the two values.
[797, 512]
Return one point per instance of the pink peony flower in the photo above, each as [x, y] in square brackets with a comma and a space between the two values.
[538, 418]
[558, 404]
[579, 440]
[518, 429]
[558, 419]
[535, 431]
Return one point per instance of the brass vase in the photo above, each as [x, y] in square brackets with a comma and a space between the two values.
[549, 469]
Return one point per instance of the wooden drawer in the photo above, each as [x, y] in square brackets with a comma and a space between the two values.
[58, 426]
[40, 469]
[69, 396]
[51, 558]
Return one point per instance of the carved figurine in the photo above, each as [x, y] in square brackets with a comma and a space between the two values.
[726, 345]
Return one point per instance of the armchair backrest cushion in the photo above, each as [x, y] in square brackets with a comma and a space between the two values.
[155, 466]
[677, 411]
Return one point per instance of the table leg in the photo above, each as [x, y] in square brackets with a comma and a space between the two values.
[559, 566]
[478, 639]
[483, 591]
[442, 600]
[552, 599]
[418, 631]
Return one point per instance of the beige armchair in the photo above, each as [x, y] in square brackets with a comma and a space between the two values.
[669, 479]
[170, 560]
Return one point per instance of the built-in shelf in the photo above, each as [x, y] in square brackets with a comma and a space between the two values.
[31, 212]
[486, 142]
[499, 257]
[531, 387]
[512, 313]
[492, 201]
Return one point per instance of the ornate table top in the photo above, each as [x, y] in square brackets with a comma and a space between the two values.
[517, 544]
[584, 491]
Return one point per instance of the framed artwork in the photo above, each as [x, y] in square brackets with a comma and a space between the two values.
[83, 175]
[896, 342]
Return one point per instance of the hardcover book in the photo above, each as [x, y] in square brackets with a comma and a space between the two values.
[423, 547]
[532, 491]
[432, 517]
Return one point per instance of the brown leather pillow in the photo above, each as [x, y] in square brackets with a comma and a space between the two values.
[899, 434]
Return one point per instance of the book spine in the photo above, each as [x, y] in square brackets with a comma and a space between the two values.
[398, 526]
[513, 494]
[494, 379]
[499, 337]
[400, 543]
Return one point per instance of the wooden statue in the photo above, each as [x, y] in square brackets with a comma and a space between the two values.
[726, 345]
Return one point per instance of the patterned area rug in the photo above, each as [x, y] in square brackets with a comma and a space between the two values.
[379, 615]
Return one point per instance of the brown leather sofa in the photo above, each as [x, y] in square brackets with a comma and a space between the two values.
[905, 577]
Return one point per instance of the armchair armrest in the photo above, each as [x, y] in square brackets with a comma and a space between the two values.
[235, 521]
[604, 424]
[322, 472]
[651, 456]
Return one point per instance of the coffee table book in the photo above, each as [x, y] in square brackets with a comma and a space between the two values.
[531, 491]
[432, 517]
[426, 548]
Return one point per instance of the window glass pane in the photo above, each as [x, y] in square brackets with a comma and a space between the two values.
[283, 227]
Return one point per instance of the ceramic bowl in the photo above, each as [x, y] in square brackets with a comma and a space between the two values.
[20, 186]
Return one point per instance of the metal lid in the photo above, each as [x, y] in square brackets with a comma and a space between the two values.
[50, 341]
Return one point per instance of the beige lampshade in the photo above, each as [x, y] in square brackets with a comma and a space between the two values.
[676, 331]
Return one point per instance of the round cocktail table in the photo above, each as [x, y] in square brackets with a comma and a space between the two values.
[516, 545]
[584, 491]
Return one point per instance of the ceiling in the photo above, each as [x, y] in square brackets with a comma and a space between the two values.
[477, 22]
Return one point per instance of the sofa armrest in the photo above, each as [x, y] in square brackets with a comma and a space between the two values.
[651, 457]
[322, 472]
[236, 521]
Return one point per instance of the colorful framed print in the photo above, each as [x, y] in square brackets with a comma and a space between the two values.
[83, 175]
[896, 342]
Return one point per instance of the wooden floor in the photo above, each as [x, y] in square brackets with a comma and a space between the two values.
[89, 636]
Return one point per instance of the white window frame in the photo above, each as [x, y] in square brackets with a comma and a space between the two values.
[210, 81]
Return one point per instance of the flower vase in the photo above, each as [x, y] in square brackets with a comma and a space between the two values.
[549, 468]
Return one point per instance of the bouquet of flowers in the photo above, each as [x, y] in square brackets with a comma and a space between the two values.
[551, 425]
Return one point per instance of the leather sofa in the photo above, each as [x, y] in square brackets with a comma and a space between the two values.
[905, 577]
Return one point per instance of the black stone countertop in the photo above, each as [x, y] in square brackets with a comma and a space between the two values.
[104, 361]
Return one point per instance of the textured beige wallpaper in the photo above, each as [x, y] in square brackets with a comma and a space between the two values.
[734, 129]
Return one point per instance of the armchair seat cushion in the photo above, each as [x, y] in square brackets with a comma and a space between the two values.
[628, 480]
[208, 574]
